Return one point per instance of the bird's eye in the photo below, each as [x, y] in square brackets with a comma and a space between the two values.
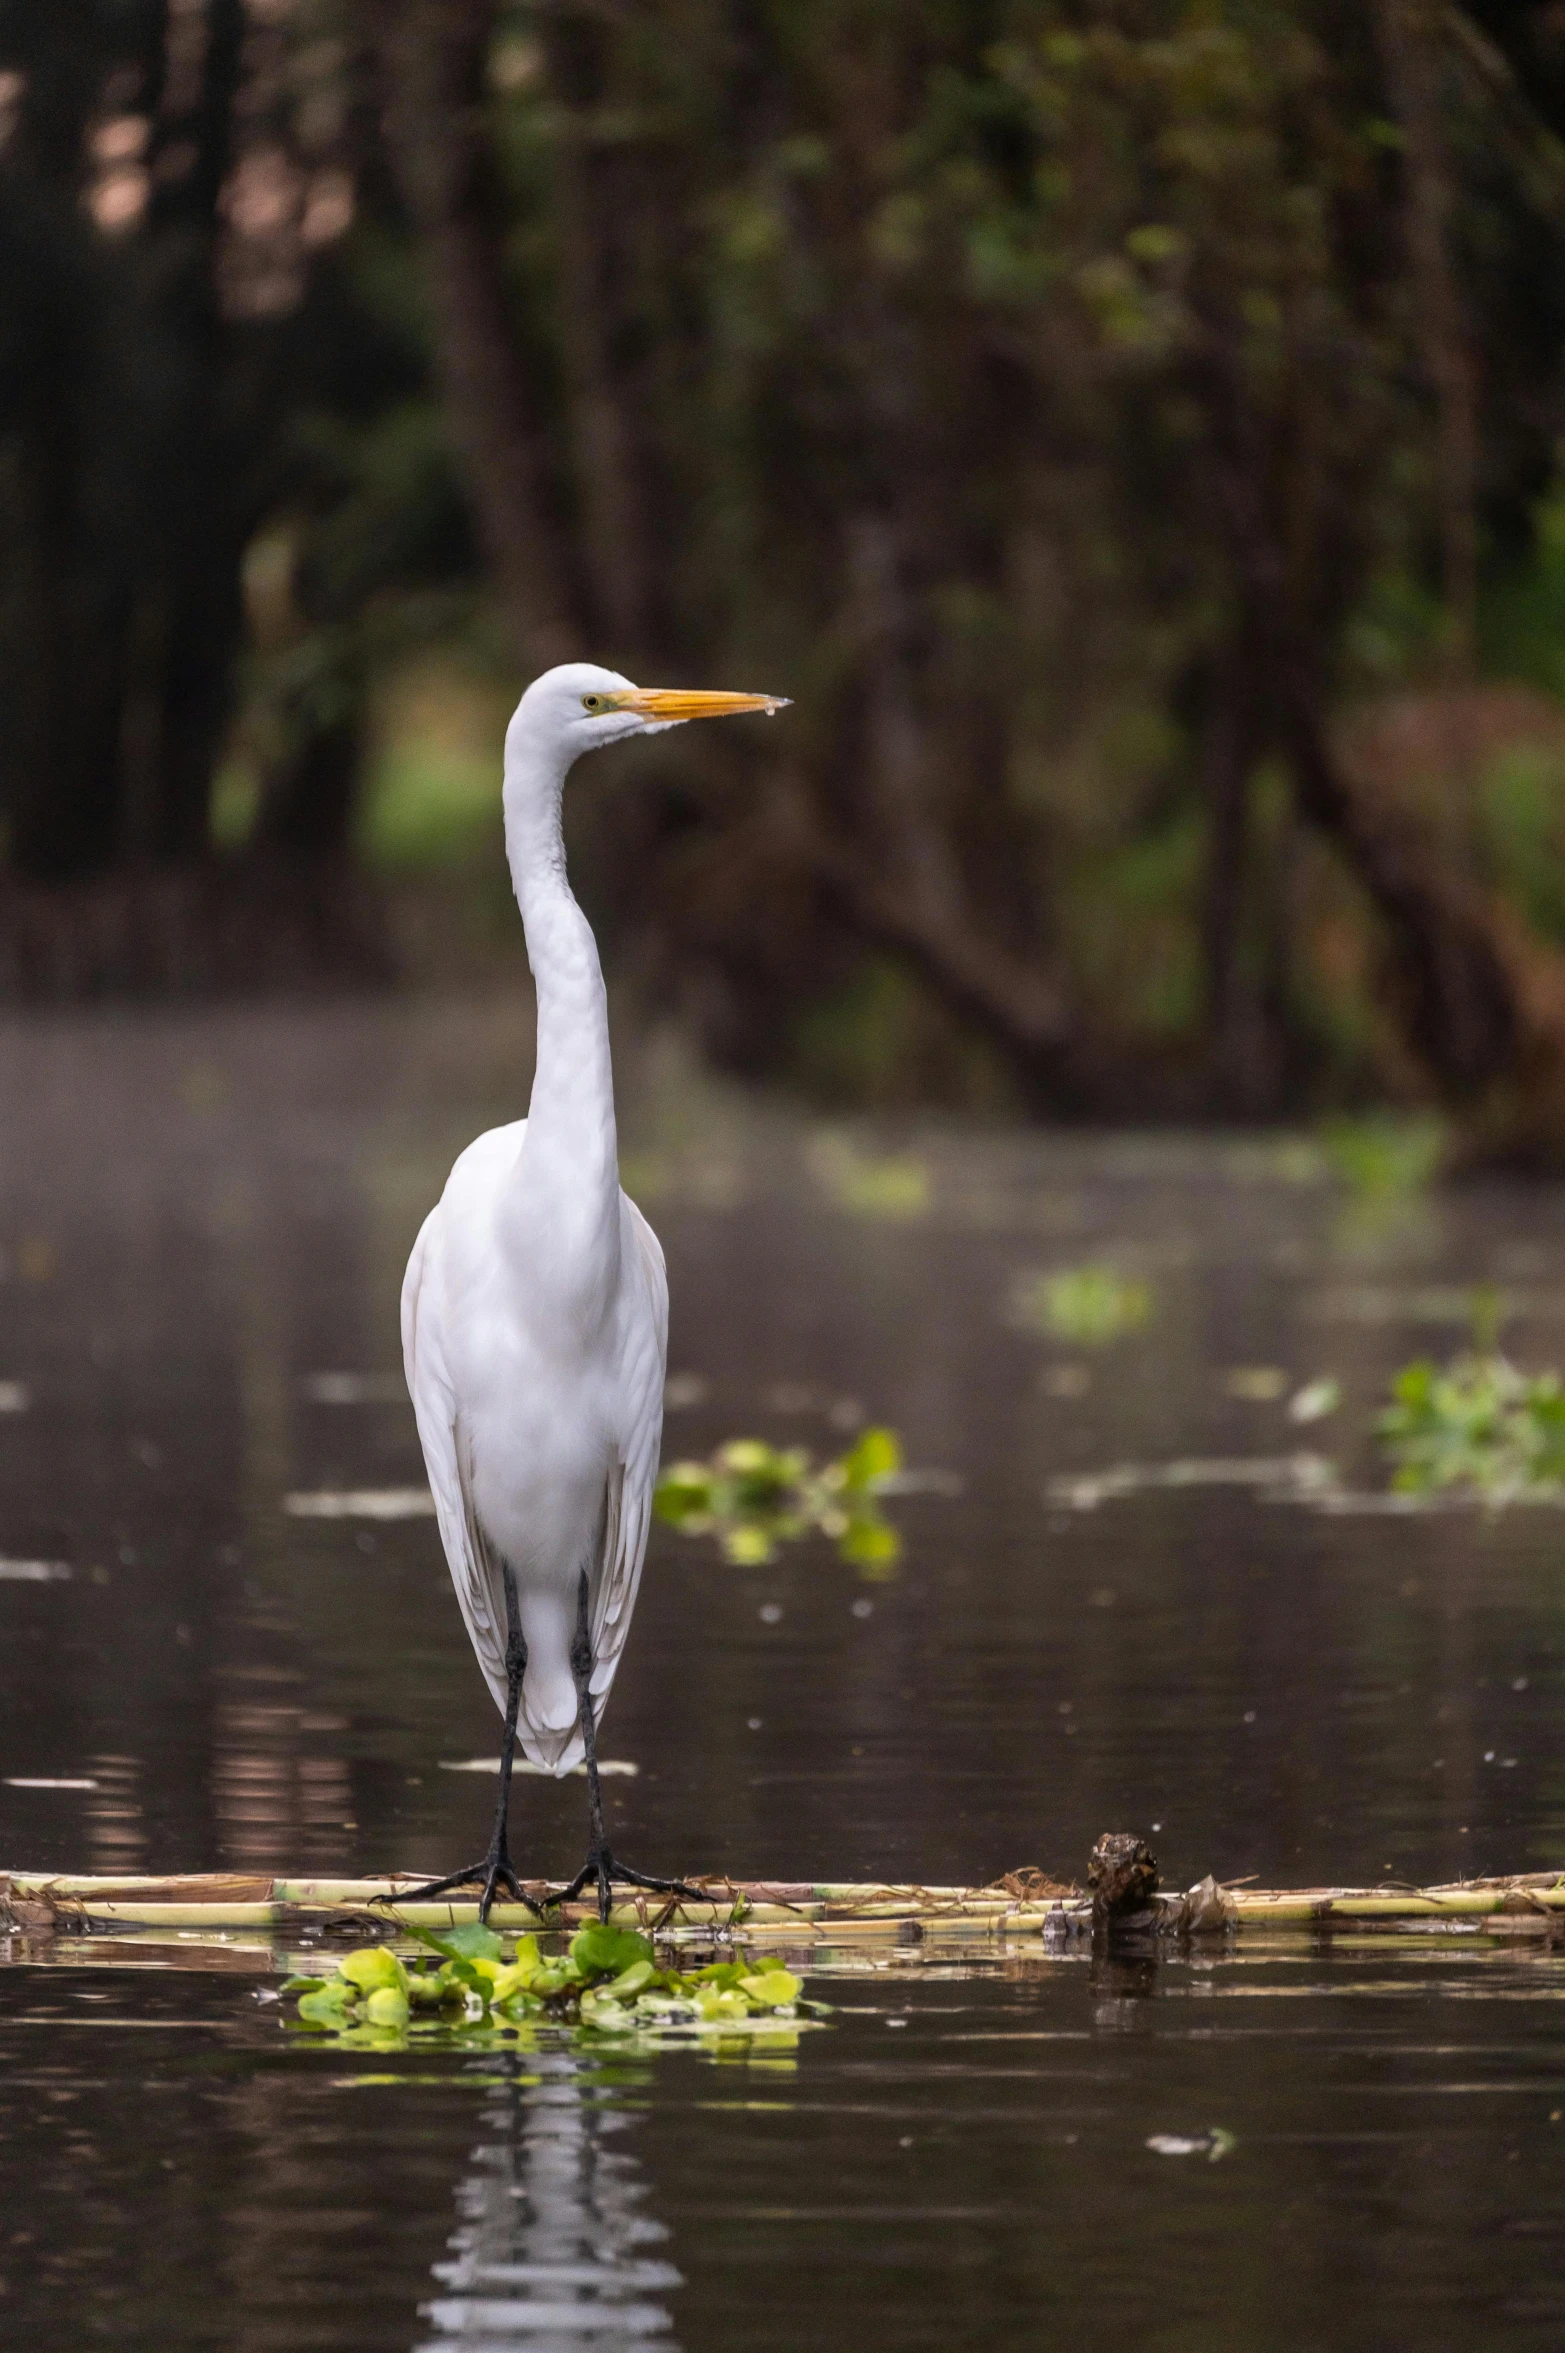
[592, 702]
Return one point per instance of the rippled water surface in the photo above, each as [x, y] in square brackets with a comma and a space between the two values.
[202, 1228]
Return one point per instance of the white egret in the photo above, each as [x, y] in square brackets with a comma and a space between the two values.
[535, 1312]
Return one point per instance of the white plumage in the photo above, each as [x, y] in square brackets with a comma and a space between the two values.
[540, 1433]
[535, 1307]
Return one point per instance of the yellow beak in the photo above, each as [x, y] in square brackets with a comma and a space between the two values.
[673, 703]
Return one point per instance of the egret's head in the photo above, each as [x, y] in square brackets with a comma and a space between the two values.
[573, 709]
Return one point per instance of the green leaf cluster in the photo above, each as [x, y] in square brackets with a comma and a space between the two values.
[607, 1981]
[1478, 1425]
[1089, 1305]
[752, 1498]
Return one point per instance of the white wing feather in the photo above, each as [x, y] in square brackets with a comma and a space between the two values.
[475, 1572]
[628, 1520]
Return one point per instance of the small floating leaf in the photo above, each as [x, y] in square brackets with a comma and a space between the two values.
[387, 2006]
[600, 1950]
[774, 1988]
[1088, 1305]
[326, 2005]
[373, 1967]
[631, 1981]
[469, 1942]
[753, 1497]
[875, 1454]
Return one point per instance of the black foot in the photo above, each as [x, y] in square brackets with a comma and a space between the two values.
[493, 1872]
[603, 1868]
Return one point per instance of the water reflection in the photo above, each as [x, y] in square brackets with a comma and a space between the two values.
[549, 2250]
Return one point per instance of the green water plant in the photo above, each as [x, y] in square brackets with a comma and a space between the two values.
[1089, 1305]
[607, 1982]
[1477, 1425]
[752, 1498]
[1384, 1155]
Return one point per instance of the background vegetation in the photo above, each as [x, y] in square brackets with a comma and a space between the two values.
[1129, 429]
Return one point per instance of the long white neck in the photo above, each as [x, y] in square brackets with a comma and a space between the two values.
[565, 1200]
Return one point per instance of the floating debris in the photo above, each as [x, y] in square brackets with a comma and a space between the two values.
[1211, 2145]
[1088, 1305]
[35, 1572]
[522, 1764]
[1292, 1478]
[1315, 1400]
[752, 1498]
[804, 1913]
[1429, 1303]
[361, 1503]
[1255, 1384]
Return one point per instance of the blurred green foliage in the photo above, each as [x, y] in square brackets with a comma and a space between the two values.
[752, 1498]
[1384, 1155]
[1090, 1305]
[1477, 1425]
[915, 359]
[607, 1982]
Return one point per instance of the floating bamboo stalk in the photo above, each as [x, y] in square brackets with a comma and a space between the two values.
[823, 1911]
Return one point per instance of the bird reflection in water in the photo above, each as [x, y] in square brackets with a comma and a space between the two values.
[550, 2252]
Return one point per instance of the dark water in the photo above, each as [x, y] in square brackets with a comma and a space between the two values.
[202, 1229]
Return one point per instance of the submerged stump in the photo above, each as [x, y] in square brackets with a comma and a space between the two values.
[1122, 1878]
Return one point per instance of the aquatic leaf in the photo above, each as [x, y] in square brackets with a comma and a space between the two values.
[772, 1987]
[869, 1541]
[631, 1981]
[601, 1950]
[518, 2001]
[387, 2006]
[875, 1454]
[748, 1548]
[555, 1978]
[1477, 1424]
[598, 2009]
[428, 1988]
[1088, 1305]
[719, 2008]
[718, 1973]
[518, 1977]
[683, 1494]
[372, 1967]
[473, 1940]
[753, 1497]
[327, 2004]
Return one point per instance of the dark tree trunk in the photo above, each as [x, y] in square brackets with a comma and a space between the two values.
[309, 801]
[592, 307]
[1459, 988]
[1245, 1019]
[203, 529]
[435, 56]
[902, 884]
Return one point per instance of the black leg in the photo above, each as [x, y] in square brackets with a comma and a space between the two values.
[495, 1870]
[600, 1864]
